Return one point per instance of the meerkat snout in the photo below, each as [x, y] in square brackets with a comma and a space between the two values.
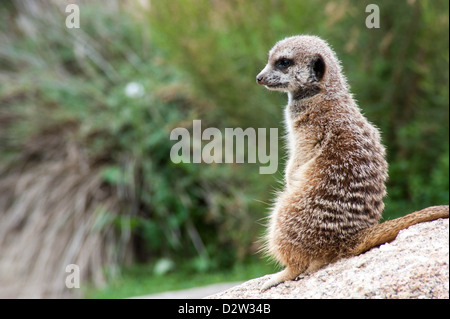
[260, 79]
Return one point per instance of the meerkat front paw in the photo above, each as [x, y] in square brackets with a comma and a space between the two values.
[278, 278]
[272, 282]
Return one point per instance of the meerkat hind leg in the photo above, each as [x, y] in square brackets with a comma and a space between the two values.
[286, 274]
[292, 273]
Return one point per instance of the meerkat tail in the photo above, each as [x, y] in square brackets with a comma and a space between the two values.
[388, 230]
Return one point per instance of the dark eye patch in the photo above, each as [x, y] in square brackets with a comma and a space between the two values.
[283, 63]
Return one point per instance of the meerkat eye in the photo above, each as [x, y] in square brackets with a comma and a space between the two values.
[283, 63]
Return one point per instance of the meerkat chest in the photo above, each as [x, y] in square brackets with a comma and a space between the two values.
[304, 140]
[305, 137]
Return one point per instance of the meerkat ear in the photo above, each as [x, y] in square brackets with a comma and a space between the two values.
[318, 67]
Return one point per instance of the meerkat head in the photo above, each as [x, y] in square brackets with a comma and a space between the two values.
[302, 66]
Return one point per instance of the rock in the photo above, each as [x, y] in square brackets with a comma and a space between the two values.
[414, 265]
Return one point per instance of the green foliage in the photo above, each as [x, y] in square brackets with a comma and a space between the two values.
[179, 212]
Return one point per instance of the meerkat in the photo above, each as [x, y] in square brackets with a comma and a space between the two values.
[336, 171]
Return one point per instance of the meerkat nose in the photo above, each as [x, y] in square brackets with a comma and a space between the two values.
[260, 79]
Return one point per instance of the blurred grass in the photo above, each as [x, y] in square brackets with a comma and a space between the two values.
[139, 280]
[198, 59]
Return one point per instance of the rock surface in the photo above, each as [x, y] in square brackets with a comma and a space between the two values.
[414, 265]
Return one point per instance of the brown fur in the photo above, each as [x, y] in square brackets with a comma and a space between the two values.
[335, 177]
